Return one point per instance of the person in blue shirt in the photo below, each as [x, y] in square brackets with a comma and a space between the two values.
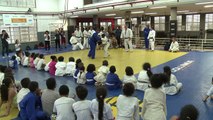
[112, 79]
[30, 106]
[13, 62]
[90, 74]
[93, 42]
[146, 33]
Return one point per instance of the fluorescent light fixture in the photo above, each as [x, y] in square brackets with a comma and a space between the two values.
[110, 14]
[158, 7]
[118, 17]
[137, 12]
[151, 13]
[203, 3]
[73, 16]
[208, 6]
[191, 12]
[183, 11]
[105, 8]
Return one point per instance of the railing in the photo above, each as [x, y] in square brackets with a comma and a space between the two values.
[184, 43]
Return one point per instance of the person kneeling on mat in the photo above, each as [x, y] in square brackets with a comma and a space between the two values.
[76, 45]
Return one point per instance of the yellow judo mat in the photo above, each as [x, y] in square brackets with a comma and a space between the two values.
[120, 59]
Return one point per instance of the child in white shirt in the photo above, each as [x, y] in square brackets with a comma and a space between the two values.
[127, 105]
[154, 102]
[81, 77]
[41, 63]
[70, 68]
[60, 67]
[36, 59]
[209, 93]
[26, 60]
[100, 109]
[82, 107]
[102, 73]
[63, 106]
[129, 77]
[173, 86]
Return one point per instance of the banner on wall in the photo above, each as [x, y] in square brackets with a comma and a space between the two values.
[10, 20]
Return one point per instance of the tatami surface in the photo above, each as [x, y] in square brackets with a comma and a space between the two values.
[196, 77]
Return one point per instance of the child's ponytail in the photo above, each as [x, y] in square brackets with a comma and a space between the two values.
[101, 93]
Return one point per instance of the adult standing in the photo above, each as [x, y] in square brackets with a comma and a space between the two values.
[151, 38]
[78, 34]
[118, 36]
[57, 40]
[47, 40]
[5, 45]
[127, 35]
[146, 33]
[93, 42]
[86, 38]
[63, 37]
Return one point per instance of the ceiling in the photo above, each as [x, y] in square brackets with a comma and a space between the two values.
[142, 5]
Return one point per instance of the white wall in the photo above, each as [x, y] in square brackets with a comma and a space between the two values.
[71, 4]
[47, 6]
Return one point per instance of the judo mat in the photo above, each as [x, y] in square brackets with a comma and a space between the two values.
[193, 69]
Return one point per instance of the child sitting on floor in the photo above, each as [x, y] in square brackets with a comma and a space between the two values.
[129, 77]
[13, 62]
[31, 60]
[60, 67]
[36, 59]
[70, 68]
[81, 77]
[26, 59]
[41, 63]
[102, 73]
[90, 74]
[52, 64]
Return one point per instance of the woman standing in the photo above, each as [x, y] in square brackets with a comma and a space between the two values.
[5, 45]
[47, 40]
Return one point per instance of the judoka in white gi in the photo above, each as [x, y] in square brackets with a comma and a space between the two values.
[106, 44]
[174, 47]
[154, 102]
[127, 105]
[76, 45]
[78, 34]
[151, 38]
[60, 67]
[129, 77]
[102, 73]
[86, 35]
[143, 78]
[173, 86]
[127, 35]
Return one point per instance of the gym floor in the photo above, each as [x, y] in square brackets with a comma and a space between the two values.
[196, 76]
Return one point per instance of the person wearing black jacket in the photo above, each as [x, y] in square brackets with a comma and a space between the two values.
[5, 45]
[57, 40]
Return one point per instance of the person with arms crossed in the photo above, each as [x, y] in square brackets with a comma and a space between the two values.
[127, 35]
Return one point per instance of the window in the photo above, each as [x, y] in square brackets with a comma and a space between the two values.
[209, 21]
[179, 22]
[23, 34]
[193, 22]
[160, 23]
[18, 3]
[121, 22]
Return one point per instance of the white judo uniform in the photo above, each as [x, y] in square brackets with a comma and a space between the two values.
[63, 108]
[86, 38]
[127, 35]
[107, 111]
[46, 68]
[154, 105]
[20, 96]
[128, 108]
[76, 45]
[81, 78]
[210, 91]
[40, 65]
[35, 62]
[82, 110]
[151, 38]
[78, 35]
[60, 68]
[143, 81]
[106, 45]
[26, 61]
[102, 73]
[130, 79]
[70, 68]
[173, 86]
[174, 47]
